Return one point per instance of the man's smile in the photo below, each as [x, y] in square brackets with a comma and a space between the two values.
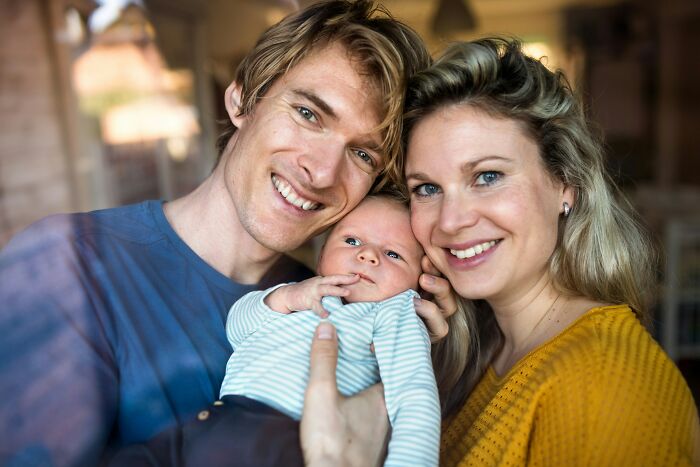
[292, 196]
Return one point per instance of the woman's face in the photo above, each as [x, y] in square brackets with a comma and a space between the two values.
[482, 204]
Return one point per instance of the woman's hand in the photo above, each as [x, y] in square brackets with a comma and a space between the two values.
[335, 430]
[443, 304]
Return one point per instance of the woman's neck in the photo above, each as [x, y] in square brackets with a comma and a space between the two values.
[526, 319]
[534, 320]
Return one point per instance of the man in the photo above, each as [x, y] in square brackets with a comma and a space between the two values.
[113, 321]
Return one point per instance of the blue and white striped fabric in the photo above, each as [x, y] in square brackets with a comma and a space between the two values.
[270, 363]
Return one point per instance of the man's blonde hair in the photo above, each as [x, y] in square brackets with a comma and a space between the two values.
[386, 51]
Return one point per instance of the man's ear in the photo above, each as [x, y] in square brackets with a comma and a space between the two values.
[232, 99]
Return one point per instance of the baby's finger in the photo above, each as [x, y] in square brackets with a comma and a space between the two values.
[442, 293]
[333, 290]
[317, 308]
[340, 279]
[433, 318]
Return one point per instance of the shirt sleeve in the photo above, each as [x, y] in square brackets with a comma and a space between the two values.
[402, 348]
[58, 377]
[249, 314]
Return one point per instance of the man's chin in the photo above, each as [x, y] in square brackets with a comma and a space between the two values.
[276, 237]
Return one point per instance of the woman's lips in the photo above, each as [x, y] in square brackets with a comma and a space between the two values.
[467, 257]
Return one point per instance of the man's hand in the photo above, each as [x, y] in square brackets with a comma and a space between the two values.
[339, 431]
[306, 295]
[443, 304]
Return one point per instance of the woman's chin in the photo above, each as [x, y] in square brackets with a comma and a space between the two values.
[472, 289]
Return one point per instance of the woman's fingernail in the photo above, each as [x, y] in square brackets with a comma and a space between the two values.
[325, 331]
[416, 301]
[429, 279]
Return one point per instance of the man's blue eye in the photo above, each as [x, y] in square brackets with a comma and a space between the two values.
[426, 189]
[352, 241]
[488, 178]
[393, 254]
[365, 157]
[306, 113]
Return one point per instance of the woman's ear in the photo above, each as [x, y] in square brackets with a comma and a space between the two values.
[232, 99]
[568, 197]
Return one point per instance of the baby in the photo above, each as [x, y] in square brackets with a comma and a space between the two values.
[367, 269]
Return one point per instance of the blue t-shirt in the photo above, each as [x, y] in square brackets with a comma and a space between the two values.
[111, 330]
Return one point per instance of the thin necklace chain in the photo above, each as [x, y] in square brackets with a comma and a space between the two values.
[549, 311]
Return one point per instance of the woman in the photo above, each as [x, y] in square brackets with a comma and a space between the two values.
[511, 201]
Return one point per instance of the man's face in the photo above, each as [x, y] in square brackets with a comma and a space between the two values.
[374, 241]
[308, 153]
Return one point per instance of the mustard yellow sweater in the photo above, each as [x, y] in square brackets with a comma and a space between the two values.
[600, 393]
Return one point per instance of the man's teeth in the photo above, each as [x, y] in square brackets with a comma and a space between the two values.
[292, 196]
[475, 250]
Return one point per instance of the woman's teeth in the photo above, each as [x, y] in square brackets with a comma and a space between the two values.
[473, 251]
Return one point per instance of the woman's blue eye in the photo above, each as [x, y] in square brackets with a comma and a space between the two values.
[306, 113]
[393, 254]
[426, 189]
[352, 241]
[488, 178]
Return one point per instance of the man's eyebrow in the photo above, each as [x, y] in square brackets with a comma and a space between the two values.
[320, 103]
[372, 144]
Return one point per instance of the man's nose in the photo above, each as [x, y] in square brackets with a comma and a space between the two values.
[322, 163]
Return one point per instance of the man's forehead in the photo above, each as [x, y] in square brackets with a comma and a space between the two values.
[328, 60]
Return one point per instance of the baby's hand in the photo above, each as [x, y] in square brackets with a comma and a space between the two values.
[306, 295]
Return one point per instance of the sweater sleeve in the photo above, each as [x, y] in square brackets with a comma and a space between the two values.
[645, 414]
[249, 314]
[402, 348]
[623, 403]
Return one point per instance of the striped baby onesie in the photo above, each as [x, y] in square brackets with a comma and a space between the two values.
[270, 363]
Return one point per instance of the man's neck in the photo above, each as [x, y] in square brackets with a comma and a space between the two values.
[207, 222]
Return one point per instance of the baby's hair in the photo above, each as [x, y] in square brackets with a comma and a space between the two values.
[393, 193]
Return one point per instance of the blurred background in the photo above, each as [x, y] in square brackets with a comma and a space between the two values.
[109, 102]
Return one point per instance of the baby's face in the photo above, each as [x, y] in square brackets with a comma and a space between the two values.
[374, 241]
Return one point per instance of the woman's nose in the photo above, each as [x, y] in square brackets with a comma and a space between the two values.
[456, 213]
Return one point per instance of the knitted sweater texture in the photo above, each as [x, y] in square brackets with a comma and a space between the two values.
[600, 393]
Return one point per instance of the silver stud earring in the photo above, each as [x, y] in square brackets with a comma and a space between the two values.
[567, 209]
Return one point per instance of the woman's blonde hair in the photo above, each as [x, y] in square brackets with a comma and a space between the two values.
[386, 51]
[603, 251]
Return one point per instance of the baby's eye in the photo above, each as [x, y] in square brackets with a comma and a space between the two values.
[393, 254]
[488, 178]
[352, 241]
[306, 114]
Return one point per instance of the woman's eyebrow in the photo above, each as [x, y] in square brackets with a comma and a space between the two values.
[418, 176]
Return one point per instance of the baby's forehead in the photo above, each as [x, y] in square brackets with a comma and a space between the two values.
[380, 217]
[372, 208]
